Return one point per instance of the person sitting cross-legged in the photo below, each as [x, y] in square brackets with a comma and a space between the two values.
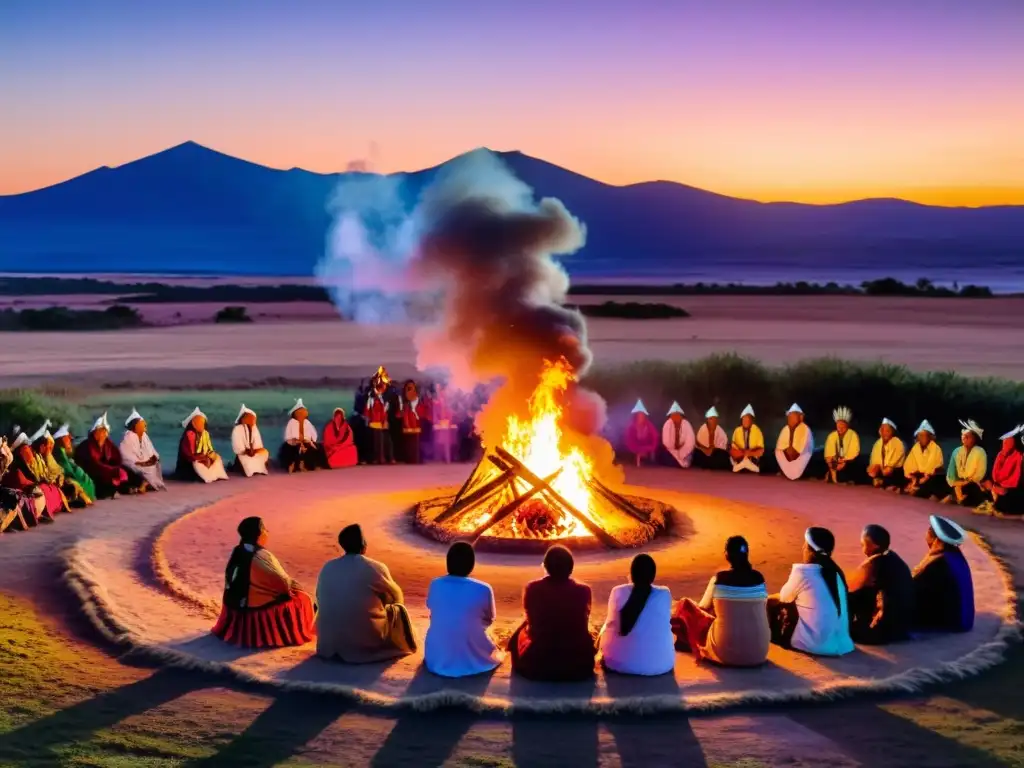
[712, 445]
[885, 467]
[943, 586]
[139, 455]
[458, 643]
[251, 456]
[968, 465]
[641, 435]
[636, 638]
[300, 451]
[1005, 490]
[924, 468]
[197, 460]
[843, 462]
[362, 618]
[263, 606]
[881, 593]
[747, 447]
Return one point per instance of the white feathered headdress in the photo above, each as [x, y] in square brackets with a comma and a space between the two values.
[842, 413]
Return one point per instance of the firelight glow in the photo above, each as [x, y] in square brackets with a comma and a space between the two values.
[792, 99]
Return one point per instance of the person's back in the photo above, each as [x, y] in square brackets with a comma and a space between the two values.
[457, 643]
[823, 628]
[649, 647]
[885, 601]
[944, 592]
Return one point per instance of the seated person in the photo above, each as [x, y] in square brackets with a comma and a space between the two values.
[881, 593]
[64, 453]
[641, 436]
[263, 606]
[17, 511]
[729, 625]
[251, 457]
[967, 468]
[197, 461]
[139, 455]
[339, 442]
[712, 445]
[924, 467]
[21, 490]
[1006, 495]
[943, 588]
[361, 618]
[27, 473]
[300, 451]
[554, 642]
[101, 460]
[810, 612]
[47, 468]
[795, 445]
[636, 638]
[461, 613]
[885, 467]
[843, 463]
[747, 447]
[677, 437]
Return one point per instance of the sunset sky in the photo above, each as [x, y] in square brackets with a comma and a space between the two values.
[809, 100]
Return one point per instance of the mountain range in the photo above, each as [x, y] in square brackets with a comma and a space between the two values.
[190, 209]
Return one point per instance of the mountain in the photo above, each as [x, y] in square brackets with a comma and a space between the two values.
[190, 209]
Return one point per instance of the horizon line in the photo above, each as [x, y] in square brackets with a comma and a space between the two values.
[207, 148]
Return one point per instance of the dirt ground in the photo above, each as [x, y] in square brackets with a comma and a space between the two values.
[974, 337]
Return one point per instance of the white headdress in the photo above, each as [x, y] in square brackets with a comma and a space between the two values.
[889, 422]
[748, 411]
[133, 416]
[947, 531]
[811, 542]
[298, 404]
[842, 413]
[64, 431]
[711, 413]
[639, 408]
[971, 426]
[20, 438]
[676, 408]
[40, 433]
[195, 412]
[100, 423]
[794, 408]
[242, 411]
[926, 426]
[1013, 432]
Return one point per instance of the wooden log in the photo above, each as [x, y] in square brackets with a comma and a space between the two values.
[617, 501]
[465, 485]
[523, 471]
[476, 496]
[511, 507]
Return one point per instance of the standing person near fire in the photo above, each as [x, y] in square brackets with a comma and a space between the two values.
[300, 451]
[967, 468]
[641, 435]
[843, 465]
[924, 467]
[251, 456]
[375, 412]
[677, 436]
[197, 460]
[885, 467]
[413, 413]
[446, 428]
[747, 445]
[795, 445]
[712, 445]
[139, 455]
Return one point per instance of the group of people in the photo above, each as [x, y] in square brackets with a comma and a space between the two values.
[920, 471]
[357, 615]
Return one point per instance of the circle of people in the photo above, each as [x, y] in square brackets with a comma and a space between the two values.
[920, 472]
[357, 615]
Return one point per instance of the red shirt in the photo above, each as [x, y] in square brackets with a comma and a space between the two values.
[1006, 469]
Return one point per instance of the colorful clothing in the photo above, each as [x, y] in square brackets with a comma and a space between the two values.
[244, 439]
[843, 448]
[73, 471]
[801, 440]
[1006, 473]
[679, 441]
[103, 464]
[944, 591]
[888, 457]
[375, 412]
[445, 429]
[970, 466]
[554, 642]
[729, 626]
[642, 438]
[263, 607]
[719, 445]
[300, 450]
[24, 476]
[192, 447]
[136, 452]
[747, 440]
[46, 466]
[339, 444]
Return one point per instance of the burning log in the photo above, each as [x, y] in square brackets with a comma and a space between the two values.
[512, 506]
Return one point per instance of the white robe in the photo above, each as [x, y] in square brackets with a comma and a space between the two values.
[241, 441]
[291, 432]
[822, 629]
[721, 441]
[649, 648]
[134, 451]
[212, 473]
[457, 643]
[684, 453]
[803, 442]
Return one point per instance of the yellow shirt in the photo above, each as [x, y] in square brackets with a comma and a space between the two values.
[889, 454]
[755, 438]
[848, 451]
[927, 461]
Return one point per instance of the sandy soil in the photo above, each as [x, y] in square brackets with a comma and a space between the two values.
[972, 337]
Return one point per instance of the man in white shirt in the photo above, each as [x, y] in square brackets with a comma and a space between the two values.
[138, 454]
[712, 444]
[251, 457]
[300, 451]
[677, 436]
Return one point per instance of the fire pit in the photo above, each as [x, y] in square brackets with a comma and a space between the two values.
[536, 490]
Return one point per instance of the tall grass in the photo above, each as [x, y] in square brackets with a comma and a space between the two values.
[871, 390]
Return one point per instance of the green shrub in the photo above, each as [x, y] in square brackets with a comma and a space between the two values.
[29, 410]
[633, 310]
[112, 318]
[233, 315]
[871, 390]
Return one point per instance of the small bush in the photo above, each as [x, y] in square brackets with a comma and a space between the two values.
[116, 317]
[29, 410]
[632, 310]
[233, 315]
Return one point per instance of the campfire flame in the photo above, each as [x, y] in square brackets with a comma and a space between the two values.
[539, 443]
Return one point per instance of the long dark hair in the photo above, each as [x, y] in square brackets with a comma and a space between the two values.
[737, 553]
[821, 542]
[641, 573]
